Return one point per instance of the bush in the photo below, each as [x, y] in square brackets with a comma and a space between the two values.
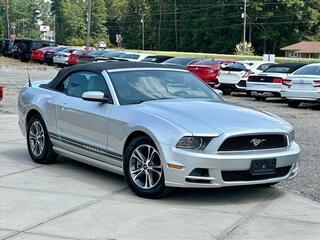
[244, 49]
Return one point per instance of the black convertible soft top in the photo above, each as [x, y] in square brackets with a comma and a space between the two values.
[101, 66]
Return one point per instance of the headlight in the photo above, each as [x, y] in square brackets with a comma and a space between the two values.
[193, 142]
[291, 135]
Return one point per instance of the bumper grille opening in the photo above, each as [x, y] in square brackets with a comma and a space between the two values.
[200, 172]
[201, 181]
[254, 142]
[233, 176]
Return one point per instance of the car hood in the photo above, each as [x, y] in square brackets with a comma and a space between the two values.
[209, 117]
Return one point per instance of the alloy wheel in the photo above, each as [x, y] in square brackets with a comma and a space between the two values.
[145, 166]
[36, 138]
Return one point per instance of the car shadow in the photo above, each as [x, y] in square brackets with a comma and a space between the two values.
[186, 196]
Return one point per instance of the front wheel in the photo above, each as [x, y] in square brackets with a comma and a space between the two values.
[293, 103]
[38, 141]
[143, 168]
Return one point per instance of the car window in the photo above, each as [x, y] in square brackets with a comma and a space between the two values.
[137, 86]
[78, 83]
[278, 69]
[263, 67]
[235, 66]
[130, 56]
[308, 70]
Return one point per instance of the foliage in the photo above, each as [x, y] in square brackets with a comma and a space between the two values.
[202, 25]
[244, 49]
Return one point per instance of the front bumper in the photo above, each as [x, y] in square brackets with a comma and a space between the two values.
[220, 163]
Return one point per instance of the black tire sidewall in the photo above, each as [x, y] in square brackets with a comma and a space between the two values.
[155, 192]
[45, 156]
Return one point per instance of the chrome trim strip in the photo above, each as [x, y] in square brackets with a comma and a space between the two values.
[87, 147]
[111, 88]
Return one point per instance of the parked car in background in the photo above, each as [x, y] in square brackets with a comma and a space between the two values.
[108, 55]
[74, 56]
[269, 82]
[133, 57]
[90, 56]
[22, 48]
[38, 54]
[6, 46]
[49, 54]
[61, 58]
[1, 92]
[234, 76]
[182, 62]
[208, 69]
[303, 85]
[156, 59]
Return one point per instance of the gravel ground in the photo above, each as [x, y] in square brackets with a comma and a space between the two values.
[306, 120]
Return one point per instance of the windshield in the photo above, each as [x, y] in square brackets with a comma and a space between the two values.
[308, 70]
[208, 62]
[182, 61]
[139, 86]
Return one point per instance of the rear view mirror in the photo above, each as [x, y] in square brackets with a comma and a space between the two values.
[95, 96]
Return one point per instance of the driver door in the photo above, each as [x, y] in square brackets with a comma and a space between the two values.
[82, 125]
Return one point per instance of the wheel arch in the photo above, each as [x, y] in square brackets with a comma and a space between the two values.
[136, 134]
[31, 113]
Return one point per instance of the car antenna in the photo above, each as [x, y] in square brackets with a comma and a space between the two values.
[29, 81]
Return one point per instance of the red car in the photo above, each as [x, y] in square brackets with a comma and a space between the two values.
[74, 56]
[208, 69]
[1, 92]
[38, 54]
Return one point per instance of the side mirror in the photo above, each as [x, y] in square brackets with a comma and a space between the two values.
[95, 96]
[219, 92]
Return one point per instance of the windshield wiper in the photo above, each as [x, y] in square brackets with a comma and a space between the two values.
[147, 100]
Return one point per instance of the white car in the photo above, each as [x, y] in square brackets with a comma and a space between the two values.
[133, 57]
[303, 85]
[269, 82]
[234, 76]
[61, 58]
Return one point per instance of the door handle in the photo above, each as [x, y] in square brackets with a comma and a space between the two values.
[64, 106]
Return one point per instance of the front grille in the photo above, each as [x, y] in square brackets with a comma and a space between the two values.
[233, 176]
[254, 142]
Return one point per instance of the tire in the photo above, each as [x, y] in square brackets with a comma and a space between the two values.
[38, 141]
[260, 98]
[226, 91]
[293, 103]
[139, 172]
[248, 93]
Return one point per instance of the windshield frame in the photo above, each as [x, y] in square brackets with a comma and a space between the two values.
[110, 82]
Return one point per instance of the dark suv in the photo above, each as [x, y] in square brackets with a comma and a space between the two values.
[6, 46]
[22, 48]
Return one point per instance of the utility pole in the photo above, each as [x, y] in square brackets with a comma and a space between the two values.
[160, 19]
[142, 30]
[89, 22]
[244, 22]
[6, 18]
[175, 23]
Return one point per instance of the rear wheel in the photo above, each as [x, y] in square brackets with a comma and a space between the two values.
[293, 103]
[143, 168]
[260, 98]
[38, 141]
[226, 91]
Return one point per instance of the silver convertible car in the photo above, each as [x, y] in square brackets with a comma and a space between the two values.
[157, 125]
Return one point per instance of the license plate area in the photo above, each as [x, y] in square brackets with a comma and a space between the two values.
[263, 166]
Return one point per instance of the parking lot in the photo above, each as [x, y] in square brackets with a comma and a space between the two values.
[70, 200]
